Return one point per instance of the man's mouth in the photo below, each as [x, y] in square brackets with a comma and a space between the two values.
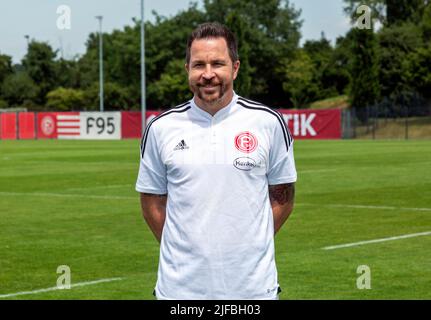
[209, 86]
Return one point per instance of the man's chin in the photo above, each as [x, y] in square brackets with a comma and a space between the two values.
[210, 98]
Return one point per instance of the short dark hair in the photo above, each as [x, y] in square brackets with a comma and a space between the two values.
[210, 30]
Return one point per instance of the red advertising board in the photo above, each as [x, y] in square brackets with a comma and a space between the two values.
[303, 124]
[26, 128]
[52, 124]
[46, 125]
[8, 126]
[313, 124]
[131, 123]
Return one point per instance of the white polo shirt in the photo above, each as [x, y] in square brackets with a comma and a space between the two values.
[218, 237]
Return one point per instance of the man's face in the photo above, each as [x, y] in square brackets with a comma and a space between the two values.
[211, 71]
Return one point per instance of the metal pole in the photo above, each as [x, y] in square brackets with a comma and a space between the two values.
[100, 18]
[143, 100]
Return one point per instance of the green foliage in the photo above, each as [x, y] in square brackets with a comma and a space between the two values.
[67, 74]
[115, 97]
[365, 82]
[236, 24]
[171, 87]
[65, 99]
[40, 66]
[271, 28]
[395, 45]
[401, 11]
[418, 66]
[324, 75]
[5, 67]
[378, 9]
[298, 76]
[17, 88]
[3, 104]
[274, 70]
[425, 24]
[389, 12]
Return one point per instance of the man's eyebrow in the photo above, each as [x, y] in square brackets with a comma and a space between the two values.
[212, 61]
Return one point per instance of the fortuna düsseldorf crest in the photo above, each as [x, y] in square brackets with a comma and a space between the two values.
[48, 125]
[246, 142]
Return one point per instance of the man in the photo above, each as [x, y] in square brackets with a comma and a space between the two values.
[216, 180]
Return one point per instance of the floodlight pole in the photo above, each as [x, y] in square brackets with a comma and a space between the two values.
[143, 100]
[100, 18]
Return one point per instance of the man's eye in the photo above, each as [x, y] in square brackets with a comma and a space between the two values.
[198, 65]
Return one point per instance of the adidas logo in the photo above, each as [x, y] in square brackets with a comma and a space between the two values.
[181, 146]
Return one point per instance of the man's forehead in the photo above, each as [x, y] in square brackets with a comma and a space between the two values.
[209, 47]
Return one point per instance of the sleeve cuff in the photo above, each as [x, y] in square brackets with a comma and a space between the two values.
[150, 190]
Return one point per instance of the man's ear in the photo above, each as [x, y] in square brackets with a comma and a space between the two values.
[187, 67]
[236, 65]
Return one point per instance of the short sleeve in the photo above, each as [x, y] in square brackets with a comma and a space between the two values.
[152, 170]
[281, 168]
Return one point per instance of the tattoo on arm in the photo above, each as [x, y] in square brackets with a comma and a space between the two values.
[282, 193]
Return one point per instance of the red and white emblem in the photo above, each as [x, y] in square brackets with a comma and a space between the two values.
[48, 125]
[246, 142]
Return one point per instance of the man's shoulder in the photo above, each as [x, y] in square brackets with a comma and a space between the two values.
[170, 114]
[261, 110]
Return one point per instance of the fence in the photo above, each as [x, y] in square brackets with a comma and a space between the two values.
[399, 119]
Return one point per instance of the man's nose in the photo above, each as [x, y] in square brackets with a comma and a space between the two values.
[208, 73]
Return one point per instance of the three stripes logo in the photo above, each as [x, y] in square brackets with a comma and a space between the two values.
[181, 146]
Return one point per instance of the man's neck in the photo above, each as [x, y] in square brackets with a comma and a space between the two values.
[213, 108]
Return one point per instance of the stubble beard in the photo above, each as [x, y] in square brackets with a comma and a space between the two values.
[209, 100]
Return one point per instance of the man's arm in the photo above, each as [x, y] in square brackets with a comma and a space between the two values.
[154, 212]
[281, 197]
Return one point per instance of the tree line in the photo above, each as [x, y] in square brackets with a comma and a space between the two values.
[366, 65]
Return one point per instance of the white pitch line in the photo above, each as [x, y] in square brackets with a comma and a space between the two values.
[79, 284]
[66, 195]
[377, 240]
[354, 206]
[316, 170]
[113, 186]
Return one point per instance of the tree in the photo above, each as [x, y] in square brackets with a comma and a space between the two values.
[365, 81]
[425, 24]
[172, 87]
[115, 97]
[40, 66]
[165, 41]
[418, 66]
[298, 81]
[243, 81]
[5, 67]
[390, 12]
[401, 11]
[337, 75]
[65, 99]
[321, 52]
[67, 74]
[395, 45]
[272, 30]
[19, 88]
[378, 9]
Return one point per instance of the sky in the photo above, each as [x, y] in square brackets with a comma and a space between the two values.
[39, 20]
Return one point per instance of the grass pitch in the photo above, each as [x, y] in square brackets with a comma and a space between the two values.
[73, 203]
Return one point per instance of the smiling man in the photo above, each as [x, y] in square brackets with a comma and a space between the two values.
[216, 179]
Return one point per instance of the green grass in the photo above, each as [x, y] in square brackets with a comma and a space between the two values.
[339, 102]
[105, 237]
